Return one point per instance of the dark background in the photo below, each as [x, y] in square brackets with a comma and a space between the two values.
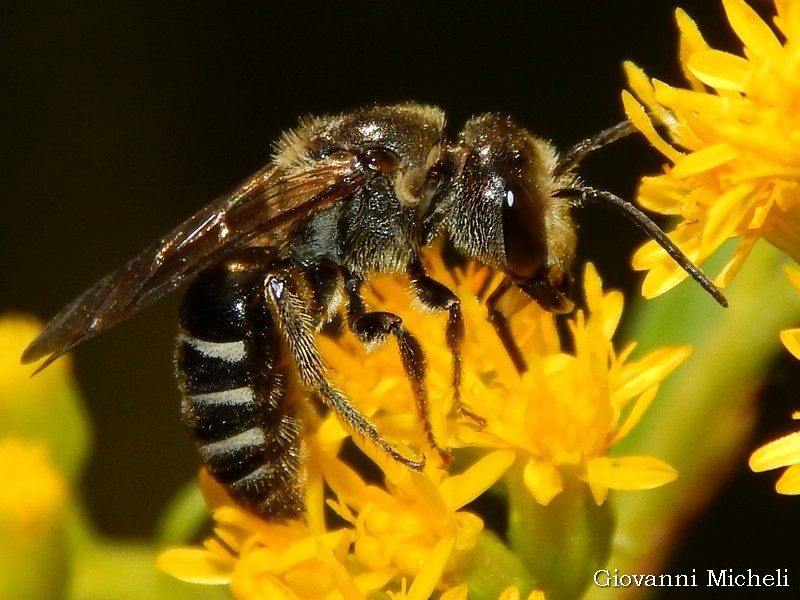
[121, 119]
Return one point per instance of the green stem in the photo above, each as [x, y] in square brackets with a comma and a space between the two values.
[563, 543]
[492, 567]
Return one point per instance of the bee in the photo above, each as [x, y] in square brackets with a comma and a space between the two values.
[284, 254]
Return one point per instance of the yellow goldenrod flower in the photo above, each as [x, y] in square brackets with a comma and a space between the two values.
[567, 410]
[732, 143]
[414, 531]
[411, 537]
[785, 451]
[564, 415]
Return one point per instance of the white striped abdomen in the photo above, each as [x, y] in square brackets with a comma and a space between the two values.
[237, 392]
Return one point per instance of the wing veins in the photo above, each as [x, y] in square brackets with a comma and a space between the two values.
[265, 202]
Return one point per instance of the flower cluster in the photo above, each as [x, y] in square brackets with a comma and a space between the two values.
[414, 535]
[734, 167]
[731, 143]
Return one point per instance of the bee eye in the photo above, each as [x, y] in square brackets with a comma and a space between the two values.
[523, 232]
[381, 160]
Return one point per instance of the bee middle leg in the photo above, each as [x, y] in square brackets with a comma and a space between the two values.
[290, 310]
[372, 328]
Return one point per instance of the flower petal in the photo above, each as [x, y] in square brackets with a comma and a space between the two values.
[719, 69]
[789, 482]
[195, 565]
[543, 481]
[755, 34]
[641, 121]
[725, 216]
[782, 452]
[630, 472]
[791, 339]
[703, 160]
[478, 478]
[431, 572]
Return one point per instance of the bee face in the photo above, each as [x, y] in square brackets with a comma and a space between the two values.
[502, 209]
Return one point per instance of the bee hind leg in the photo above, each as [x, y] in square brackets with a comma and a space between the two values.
[290, 311]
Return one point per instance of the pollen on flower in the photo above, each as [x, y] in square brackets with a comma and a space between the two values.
[731, 143]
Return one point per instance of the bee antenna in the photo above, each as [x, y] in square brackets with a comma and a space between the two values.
[578, 152]
[643, 222]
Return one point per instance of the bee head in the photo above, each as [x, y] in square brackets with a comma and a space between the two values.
[501, 208]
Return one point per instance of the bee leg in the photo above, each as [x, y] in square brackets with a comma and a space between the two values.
[372, 328]
[500, 323]
[436, 297]
[290, 312]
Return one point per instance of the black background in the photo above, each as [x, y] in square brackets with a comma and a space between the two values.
[121, 119]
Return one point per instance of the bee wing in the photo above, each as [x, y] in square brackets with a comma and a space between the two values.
[263, 203]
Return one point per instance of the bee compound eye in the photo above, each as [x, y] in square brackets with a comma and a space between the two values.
[523, 233]
[381, 160]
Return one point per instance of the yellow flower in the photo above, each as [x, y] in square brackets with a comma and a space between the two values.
[409, 535]
[567, 411]
[413, 530]
[415, 527]
[47, 407]
[33, 494]
[785, 451]
[33, 499]
[732, 143]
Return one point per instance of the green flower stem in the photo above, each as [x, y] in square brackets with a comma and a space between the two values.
[701, 421]
[184, 517]
[492, 567]
[563, 543]
[126, 571]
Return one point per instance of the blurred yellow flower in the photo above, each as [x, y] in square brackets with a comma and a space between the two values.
[732, 143]
[33, 503]
[33, 494]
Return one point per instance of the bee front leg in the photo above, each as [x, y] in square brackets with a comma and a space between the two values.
[436, 297]
[290, 311]
[372, 328]
[500, 323]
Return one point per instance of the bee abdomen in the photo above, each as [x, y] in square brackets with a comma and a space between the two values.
[235, 393]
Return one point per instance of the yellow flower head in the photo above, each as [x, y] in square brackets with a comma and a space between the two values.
[415, 530]
[732, 143]
[34, 493]
[563, 416]
[410, 535]
[785, 451]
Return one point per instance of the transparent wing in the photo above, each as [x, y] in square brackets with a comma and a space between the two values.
[253, 211]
